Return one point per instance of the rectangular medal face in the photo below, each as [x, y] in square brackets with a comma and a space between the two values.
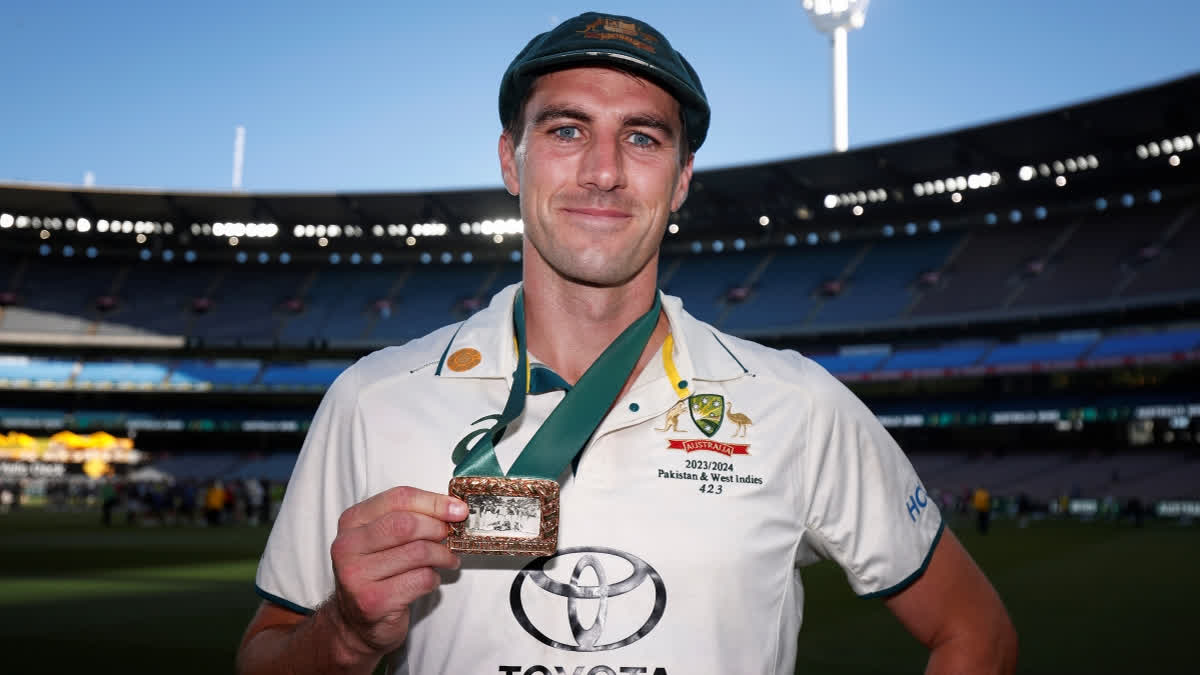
[506, 516]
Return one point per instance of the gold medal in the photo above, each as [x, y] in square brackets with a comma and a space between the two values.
[506, 516]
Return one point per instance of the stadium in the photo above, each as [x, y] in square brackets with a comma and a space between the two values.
[1017, 302]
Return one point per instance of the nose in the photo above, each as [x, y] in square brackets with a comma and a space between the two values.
[602, 165]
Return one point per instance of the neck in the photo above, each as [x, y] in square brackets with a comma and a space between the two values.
[568, 324]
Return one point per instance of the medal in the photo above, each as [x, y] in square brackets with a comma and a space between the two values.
[517, 513]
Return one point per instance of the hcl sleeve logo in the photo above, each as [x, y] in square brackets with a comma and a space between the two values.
[917, 502]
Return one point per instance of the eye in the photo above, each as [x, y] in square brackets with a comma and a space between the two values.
[566, 133]
[642, 140]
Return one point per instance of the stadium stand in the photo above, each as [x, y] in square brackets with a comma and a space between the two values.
[219, 373]
[122, 373]
[785, 295]
[317, 375]
[1038, 351]
[944, 357]
[881, 285]
[16, 369]
[1147, 343]
[1047, 314]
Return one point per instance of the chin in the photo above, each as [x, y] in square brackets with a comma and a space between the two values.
[601, 273]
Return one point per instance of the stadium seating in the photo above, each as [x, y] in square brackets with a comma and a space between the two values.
[785, 294]
[943, 357]
[20, 368]
[703, 280]
[1086, 268]
[1173, 269]
[881, 286]
[428, 297]
[850, 363]
[1147, 343]
[987, 270]
[1038, 351]
[316, 374]
[218, 373]
[122, 373]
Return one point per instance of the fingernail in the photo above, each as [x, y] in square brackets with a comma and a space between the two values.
[458, 509]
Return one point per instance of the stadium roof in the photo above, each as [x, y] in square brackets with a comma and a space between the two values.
[887, 181]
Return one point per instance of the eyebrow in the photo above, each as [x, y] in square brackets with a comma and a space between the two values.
[554, 112]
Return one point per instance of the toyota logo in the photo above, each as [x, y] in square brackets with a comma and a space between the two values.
[588, 638]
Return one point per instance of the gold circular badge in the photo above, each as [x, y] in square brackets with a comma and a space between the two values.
[464, 359]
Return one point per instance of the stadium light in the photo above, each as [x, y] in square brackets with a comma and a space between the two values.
[837, 18]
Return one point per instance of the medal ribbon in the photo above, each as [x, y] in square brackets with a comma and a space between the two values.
[573, 421]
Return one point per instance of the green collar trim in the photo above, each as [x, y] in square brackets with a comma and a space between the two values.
[446, 351]
[744, 370]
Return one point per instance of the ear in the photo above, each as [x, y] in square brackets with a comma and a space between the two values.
[508, 165]
[682, 185]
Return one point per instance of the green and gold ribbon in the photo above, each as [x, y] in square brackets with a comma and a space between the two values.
[573, 421]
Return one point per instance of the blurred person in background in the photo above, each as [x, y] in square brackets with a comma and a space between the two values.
[981, 500]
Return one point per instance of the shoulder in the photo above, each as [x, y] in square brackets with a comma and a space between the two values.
[415, 359]
[786, 368]
[790, 374]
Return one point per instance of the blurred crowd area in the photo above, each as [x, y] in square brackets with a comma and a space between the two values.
[124, 502]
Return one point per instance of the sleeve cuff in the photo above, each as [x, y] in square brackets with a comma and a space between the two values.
[287, 604]
[907, 581]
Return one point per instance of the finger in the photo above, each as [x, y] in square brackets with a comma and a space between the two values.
[392, 529]
[400, 560]
[403, 498]
[404, 589]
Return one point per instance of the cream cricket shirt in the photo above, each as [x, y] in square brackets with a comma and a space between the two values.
[726, 468]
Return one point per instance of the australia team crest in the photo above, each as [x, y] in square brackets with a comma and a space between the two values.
[708, 411]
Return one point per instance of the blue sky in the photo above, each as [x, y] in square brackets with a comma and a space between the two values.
[401, 96]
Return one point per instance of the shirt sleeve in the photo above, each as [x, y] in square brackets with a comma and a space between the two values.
[867, 509]
[295, 570]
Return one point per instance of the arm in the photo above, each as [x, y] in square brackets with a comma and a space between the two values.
[384, 558]
[953, 610]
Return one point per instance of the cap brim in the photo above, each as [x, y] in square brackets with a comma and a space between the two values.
[672, 84]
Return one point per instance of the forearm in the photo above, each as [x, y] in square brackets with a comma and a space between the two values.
[992, 652]
[318, 644]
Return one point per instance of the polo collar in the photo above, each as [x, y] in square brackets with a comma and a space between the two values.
[482, 346]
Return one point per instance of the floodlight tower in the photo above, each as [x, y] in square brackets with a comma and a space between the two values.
[837, 18]
[239, 155]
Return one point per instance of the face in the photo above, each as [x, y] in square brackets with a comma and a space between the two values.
[598, 171]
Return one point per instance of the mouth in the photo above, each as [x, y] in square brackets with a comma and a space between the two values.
[597, 213]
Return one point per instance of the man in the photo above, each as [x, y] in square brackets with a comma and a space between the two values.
[677, 551]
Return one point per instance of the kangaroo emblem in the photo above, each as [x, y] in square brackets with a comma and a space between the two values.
[672, 420]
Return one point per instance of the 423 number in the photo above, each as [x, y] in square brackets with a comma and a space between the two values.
[711, 489]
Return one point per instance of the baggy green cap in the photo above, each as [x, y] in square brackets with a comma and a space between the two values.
[618, 41]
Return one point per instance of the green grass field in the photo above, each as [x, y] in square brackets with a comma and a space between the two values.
[1086, 598]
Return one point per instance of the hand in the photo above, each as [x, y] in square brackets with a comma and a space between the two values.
[384, 559]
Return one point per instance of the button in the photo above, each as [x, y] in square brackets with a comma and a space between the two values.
[633, 407]
[682, 384]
